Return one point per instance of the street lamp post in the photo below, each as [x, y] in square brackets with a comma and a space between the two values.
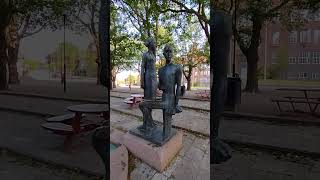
[64, 52]
[234, 40]
[265, 52]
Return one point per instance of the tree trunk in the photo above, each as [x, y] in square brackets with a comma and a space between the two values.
[252, 56]
[98, 61]
[98, 73]
[252, 73]
[190, 69]
[188, 84]
[3, 61]
[114, 85]
[13, 59]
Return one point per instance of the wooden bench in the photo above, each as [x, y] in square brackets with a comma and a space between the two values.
[294, 97]
[58, 128]
[66, 118]
[292, 102]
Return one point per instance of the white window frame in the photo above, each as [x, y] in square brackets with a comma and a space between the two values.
[316, 58]
[315, 76]
[305, 36]
[293, 37]
[273, 58]
[276, 40]
[316, 36]
[292, 75]
[303, 75]
[304, 58]
[292, 60]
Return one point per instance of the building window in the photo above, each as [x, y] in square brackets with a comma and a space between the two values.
[317, 16]
[293, 37]
[276, 38]
[292, 60]
[316, 76]
[305, 36]
[273, 58]
[303, 75]
[316, 37]
[316, 58]
[304, 58]
[292, 75]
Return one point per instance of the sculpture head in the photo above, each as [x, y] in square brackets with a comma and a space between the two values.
[168, 53]
[150, 44]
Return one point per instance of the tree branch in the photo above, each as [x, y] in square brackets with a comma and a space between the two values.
[32, 33]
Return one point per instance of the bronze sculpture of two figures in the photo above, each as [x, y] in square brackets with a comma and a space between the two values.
[170, 83]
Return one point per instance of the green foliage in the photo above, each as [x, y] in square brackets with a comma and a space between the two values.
[72, 57]
[31, 64]
[281, 65]
[131, 79]
[260, 73]
[125, 50]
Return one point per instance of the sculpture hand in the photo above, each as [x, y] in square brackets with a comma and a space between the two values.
[178, 109]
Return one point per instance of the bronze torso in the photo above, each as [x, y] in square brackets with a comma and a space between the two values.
[149, 74]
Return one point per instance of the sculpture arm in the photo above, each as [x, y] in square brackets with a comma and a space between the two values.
[142, 71]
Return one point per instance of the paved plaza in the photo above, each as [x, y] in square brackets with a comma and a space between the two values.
[27, 137]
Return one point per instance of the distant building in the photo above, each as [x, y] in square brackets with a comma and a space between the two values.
[302, 46]
[200, 77]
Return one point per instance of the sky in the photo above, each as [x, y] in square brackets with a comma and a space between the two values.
[38, 46]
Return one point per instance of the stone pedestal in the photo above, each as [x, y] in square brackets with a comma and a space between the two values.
[119, 163]
[155, 156]
[118, 157]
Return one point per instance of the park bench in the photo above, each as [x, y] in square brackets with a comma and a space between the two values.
[66, 118]
[301, 100]
[70, 125]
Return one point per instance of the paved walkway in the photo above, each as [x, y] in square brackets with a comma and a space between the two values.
[251, 103]
[25, 135]
[249, 164]
[13, 167]
[295, 137]
[192, 163]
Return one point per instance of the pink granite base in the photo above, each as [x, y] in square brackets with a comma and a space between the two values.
[157, 157]
[118, 157]
[119, 163]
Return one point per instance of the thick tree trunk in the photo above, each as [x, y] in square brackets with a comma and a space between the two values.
[252, 73]
[13, 59]
[188, 84]
[252, 56]
[114, 85]
[3, 61]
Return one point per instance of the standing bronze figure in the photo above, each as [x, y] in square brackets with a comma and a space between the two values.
[221, 30]
[170, 83]
[149, 84]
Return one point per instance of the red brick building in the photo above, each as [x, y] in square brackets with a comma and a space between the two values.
[301, 46]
